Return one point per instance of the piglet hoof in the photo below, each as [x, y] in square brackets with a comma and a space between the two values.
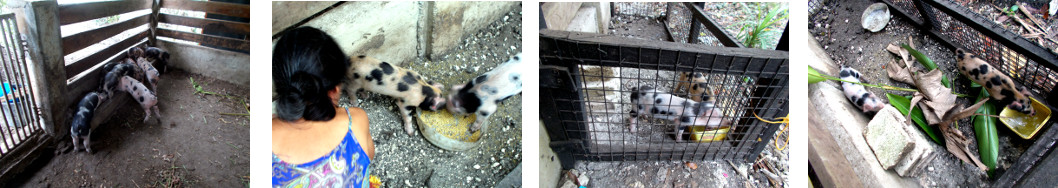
[89, 150]
[409, 129]
[632, 125]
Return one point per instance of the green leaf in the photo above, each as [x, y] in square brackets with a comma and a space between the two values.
[814, 76]
[985, 130]
[925, 61]
[903, 104]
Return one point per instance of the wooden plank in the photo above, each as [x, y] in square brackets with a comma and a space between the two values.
[73, 43]
[617, 51]
[712, 26]
[210, 40]
[831, 167]
[228, 9]
[73, 13]
[98, 57]
[212, 24]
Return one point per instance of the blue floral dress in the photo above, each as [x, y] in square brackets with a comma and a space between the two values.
[345, 166]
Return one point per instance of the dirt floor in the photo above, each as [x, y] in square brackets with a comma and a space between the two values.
[412, 161]
[837, 28]
[194, 145]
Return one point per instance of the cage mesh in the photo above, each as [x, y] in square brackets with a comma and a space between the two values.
[1029, 73]
[605, 74]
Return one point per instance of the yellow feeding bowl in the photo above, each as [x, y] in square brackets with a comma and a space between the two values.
[700, 134]
[449, 131]
[1024, 125]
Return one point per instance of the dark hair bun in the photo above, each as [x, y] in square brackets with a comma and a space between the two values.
[306, 64]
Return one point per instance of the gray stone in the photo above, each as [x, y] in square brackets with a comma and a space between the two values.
[889, 142]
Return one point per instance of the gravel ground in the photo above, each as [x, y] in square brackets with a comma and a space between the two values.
[411, 161]
[837, 28]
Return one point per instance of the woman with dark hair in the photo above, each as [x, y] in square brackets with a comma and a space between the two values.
[312, 145]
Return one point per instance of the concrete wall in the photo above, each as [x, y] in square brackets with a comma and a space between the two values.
[385, 30]
[294, 12]
[453, 21]
[233, 67]
[399, 31]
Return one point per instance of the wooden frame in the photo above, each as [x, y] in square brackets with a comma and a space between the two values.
[228, 9]
[222, 25]
[79, 41]
[75, 13]
[206, 40]
[88, 62]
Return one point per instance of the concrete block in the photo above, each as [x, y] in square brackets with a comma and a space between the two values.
[586, 20]
[845, 123]
[558, 15]
[889, 142]
[550, 166]
[921, 154]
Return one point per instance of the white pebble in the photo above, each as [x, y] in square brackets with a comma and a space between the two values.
[477, 166]
[495, 165]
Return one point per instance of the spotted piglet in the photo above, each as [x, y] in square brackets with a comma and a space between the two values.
[481, 94]
[149, 72]
[147, 99]
[696, 86]
[863, 99]
[999, 86]
[157, 56]
[654, 103]
[113, 72]
[80, 127]
[370, 74]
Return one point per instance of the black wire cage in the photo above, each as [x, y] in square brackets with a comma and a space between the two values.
[586, 81]
[1026, 62]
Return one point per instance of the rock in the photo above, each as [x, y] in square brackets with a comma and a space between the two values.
[638, 184]
[568, 184]
[889, 142]
[582, 179]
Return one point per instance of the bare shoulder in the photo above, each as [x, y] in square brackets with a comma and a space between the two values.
[359, 116]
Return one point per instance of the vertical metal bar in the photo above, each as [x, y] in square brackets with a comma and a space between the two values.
[12, 72]
[27, 90]
[26, 105]
[5, 106]
[20, 104]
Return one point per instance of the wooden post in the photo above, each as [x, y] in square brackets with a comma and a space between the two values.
[156, 6]
[425, 27]
[40, 21]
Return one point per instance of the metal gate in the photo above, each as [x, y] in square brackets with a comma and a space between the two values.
[586, 80]
[19, 116]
